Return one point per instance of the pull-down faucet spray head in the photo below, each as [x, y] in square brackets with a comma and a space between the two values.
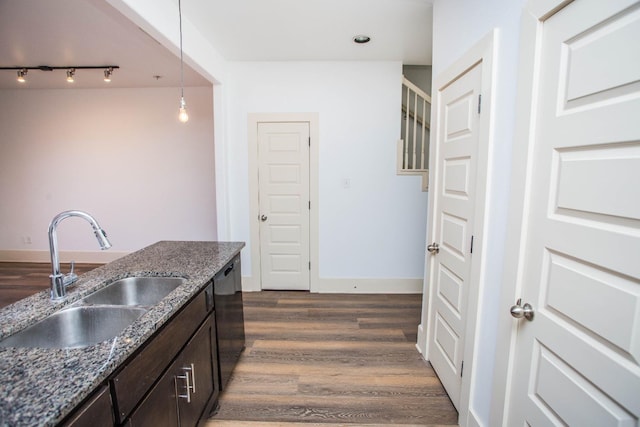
[59, 281]
[101, 235]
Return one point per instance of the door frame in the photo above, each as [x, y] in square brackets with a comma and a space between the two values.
[254, 282]
[483, 53]
[535, 12]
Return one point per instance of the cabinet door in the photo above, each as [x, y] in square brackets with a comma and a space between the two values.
[140, 373]
[194, 376]
[160, 407]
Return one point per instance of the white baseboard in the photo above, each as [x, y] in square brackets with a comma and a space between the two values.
[369, 286]
[352, 286]
[250, 285]
[472, 420]
[421, 345]
[97, 257]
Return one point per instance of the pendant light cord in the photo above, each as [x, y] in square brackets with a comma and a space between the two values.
[181, 58]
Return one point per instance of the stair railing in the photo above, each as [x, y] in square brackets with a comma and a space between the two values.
[412, 149]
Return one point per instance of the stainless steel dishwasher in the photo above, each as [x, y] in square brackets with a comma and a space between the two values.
[227, 294]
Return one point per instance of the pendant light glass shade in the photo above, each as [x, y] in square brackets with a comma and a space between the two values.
[182, 114]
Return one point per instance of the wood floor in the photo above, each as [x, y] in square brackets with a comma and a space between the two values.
[332, 360]
[312, 359]
[21, 279]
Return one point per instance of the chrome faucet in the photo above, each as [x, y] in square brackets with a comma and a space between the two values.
[59, 281]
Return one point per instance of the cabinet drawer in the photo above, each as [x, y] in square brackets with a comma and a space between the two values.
[97, 412]
[141, 372]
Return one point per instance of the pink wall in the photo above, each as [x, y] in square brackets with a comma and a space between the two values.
[119, 154]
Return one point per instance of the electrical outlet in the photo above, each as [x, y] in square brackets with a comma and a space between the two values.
[26, 240]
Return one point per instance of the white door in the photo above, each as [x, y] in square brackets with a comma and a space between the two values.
[577, 362]
[283, 183]
[454, 207]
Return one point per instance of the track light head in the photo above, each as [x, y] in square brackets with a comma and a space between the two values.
[107, 74]
[21, 75]
[70, 73]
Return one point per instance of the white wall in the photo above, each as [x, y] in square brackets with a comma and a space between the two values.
[159, 19]
[374, 229]
[458, 25]
[119, 154]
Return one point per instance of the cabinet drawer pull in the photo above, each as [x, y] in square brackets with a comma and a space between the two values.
[193, 377]
[190, 382]
[187, 388]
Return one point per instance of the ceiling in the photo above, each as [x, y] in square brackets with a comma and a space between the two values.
[82, 32]
[90, 32]
[315, 30]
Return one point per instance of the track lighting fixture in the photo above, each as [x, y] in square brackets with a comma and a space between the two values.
[71, 71]
[182, 112]
[21, 75]
[107, 74]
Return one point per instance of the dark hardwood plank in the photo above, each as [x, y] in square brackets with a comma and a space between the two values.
[332, 360]
[19, 280]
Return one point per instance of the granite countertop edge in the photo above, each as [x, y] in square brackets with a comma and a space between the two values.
[43, 386]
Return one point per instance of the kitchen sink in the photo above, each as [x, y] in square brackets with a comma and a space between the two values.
[144, 291]
[98, 317]
[75, 327]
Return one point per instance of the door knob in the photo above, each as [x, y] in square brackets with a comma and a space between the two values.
[263, 218]
[433, 248]
[519, 311]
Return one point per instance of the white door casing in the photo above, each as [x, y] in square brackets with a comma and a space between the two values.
[575, 259]
[465, 184]
[283, 182]
[454, 211]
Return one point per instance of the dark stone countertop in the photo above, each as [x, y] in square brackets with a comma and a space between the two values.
[39, 387]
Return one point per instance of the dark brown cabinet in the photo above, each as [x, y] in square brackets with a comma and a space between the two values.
[96, 412]
[181, 395]
[172, 381]
[175, 377]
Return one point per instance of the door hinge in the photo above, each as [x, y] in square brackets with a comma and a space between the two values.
[309, 204]
[309, 141]
[471, 244]
[479, 103]
[461, 368]
[309, 265]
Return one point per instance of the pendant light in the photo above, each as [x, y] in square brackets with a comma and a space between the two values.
[182, 114]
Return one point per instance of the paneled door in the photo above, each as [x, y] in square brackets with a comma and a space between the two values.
[283, 183]
[454, 208]
[577, 350]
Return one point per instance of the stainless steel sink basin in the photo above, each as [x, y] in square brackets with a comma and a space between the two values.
[75, 327]
[145, 291]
